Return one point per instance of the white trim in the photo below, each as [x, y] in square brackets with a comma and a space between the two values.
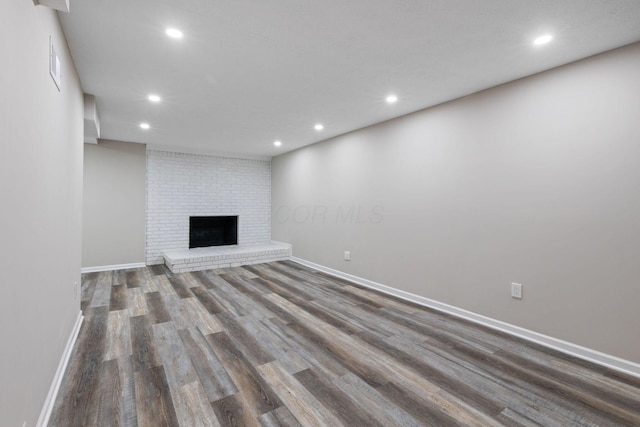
[112, 267]
[57, 379]
[588, 354]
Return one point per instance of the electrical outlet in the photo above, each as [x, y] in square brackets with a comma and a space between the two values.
[516, 290]
[347, 255]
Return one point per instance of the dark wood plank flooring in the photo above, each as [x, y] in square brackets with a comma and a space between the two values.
[282, 345]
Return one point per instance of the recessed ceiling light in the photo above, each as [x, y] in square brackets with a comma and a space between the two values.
[391, 99]
[145, 125]
[318, 126]
[543, 40]
[174, 33]
[277, 143]
[154, 98]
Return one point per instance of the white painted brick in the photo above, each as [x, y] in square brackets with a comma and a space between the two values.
[181, 185]
[182, 260]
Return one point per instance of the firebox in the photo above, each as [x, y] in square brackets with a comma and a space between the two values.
[213, 231]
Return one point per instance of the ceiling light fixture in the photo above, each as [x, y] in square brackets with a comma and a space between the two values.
[277, 143]
[145, 126]
[318, 127]
[543, 40]
[391, 99]
[154, 98]
[174, 33]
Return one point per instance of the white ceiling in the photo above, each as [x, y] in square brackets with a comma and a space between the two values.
[249, 72]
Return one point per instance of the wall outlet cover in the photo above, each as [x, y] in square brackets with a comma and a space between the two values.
[516, 290]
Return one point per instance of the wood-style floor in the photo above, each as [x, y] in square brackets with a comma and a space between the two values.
[281, 345]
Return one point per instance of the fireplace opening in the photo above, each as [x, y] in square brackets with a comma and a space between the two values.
[212, 231]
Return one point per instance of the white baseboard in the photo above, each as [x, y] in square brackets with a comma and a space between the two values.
[57, 379]
[584, 353]
[112, 267]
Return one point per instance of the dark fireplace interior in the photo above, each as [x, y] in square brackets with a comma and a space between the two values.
[212, 231]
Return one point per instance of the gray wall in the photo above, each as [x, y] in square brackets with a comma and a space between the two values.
[534, 182]
[41, 195]
[113, 229]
